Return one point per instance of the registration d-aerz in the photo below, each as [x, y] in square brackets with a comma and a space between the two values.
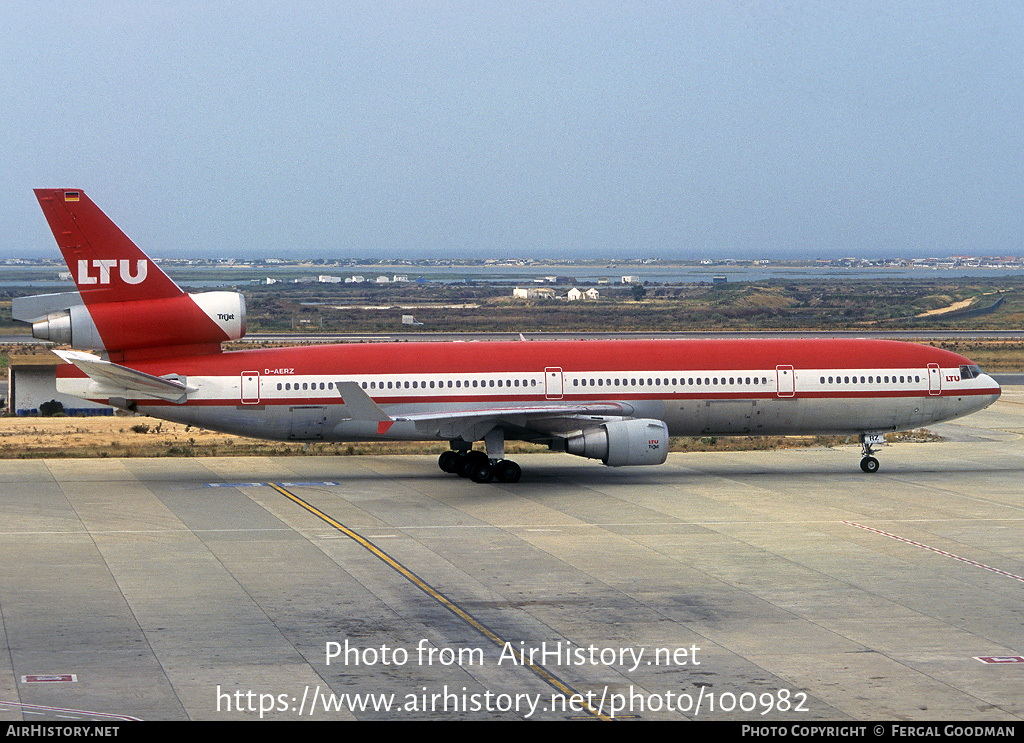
[619, 401]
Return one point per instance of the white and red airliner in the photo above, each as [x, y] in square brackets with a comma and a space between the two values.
[613, 400]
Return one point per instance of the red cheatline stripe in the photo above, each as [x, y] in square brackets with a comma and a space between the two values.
[573, 398]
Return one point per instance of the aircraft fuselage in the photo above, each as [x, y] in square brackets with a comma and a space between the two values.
[698, 387]
[614, 400]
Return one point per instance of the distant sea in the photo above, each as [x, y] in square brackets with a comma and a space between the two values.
[41, 278]
[668, 274]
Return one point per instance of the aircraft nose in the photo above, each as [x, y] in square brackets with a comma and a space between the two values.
[996, 389]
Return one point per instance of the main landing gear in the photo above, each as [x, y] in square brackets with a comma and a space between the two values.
[478, 467]
[868, 443]
[463, 461]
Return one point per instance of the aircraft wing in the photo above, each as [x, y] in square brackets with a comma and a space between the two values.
[532, 422]
[522, 421]
[113, 380]
[600, 409]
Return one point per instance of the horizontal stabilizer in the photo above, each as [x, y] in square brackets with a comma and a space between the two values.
[113, 380]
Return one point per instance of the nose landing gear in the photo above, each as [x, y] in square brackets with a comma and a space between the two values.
[869, 465]
[868, 442]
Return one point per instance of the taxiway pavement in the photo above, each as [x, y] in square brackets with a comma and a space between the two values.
[717, 586]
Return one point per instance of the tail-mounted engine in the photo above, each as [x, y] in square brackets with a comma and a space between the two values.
[184, 320]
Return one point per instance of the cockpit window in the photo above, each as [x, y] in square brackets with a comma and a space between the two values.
[972, 371]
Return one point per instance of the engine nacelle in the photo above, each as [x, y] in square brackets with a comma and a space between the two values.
[622, 443]
[187, 319]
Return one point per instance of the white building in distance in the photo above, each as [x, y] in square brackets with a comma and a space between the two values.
[576, 294]
[533, 293]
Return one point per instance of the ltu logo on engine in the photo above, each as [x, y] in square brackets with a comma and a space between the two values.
[104, 266]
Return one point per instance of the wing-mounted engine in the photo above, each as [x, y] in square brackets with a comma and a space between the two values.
[184, 320]
[641, 441]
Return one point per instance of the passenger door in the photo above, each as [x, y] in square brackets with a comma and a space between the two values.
[786, 379]
[553, 383]
[250, 387]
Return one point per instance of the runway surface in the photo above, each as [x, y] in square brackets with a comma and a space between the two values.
[717, 586]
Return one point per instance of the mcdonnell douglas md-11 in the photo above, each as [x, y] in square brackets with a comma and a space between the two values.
[160, 354]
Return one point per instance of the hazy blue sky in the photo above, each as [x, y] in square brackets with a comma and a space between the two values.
[752, 128]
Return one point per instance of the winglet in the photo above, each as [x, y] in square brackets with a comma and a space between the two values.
[359, 405]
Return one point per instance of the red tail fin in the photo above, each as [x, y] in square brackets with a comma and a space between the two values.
[132, 308]
[106, 265]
